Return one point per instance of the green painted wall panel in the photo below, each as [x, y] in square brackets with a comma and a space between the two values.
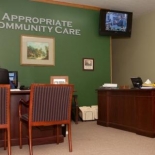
[69, 49]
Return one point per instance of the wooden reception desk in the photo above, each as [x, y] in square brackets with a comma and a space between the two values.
[127, 109]
[40, 135]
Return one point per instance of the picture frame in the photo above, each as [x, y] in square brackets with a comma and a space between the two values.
[36, 50]
[59, 80]
[88, 64]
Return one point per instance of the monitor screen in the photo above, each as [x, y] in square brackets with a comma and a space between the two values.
[137, 82]
[116, 21]
[13, 76]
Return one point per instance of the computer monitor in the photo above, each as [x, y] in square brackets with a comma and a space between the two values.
[137, 82]
[4, 76]
[13, 76]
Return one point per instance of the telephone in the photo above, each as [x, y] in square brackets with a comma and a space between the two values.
[22, 87]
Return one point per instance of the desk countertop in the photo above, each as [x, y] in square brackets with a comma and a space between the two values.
[18, 91]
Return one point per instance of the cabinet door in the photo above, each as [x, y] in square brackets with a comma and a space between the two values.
[122, 110]
[102, 108]
[145, 113]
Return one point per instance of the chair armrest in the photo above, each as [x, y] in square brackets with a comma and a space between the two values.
[75, 108]
[22, 103]
[75, 100]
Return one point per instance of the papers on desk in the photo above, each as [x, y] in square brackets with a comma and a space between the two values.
[148, 83]
[18, 90]
[147, 87]
[14, 89]
[109, 85]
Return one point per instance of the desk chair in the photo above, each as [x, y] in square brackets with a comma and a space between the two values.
[75, 107]
[49, 104]
[5, 114]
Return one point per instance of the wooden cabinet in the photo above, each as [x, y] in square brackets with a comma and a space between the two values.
[128, 109]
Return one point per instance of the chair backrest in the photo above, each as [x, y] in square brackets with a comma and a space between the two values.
[4, 76]
[4, 106]
[50, 104]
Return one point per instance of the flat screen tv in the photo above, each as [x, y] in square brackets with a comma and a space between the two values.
[115, 23]
[13, 76]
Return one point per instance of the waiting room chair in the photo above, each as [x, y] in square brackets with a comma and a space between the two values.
[75, 107]
[5, 115]
[49, 104]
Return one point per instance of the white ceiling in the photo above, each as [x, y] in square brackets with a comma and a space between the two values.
[138, 7]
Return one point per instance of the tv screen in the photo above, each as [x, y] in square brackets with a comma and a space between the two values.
[13, 76]
[115, 23]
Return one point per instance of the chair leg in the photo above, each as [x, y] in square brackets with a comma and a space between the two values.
[57, 134]
[30, 140]
[69, 137]
[9, 141]
[20, 134]
[4, 139]
[77, 115]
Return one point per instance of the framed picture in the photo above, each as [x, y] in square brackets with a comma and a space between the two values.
[37, 51]
[88, 64]
[59, 80]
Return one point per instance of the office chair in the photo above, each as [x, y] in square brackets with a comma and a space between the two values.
[49, 104]
[5, 114]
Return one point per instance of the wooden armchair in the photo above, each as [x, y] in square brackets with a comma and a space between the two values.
[75, 107]
[49, 104]
[5, 115]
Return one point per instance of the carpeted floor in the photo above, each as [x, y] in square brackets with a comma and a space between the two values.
[88, 138]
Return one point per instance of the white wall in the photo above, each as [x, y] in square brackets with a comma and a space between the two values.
[135, 56]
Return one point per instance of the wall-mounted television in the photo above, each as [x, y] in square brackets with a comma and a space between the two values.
[115, 23]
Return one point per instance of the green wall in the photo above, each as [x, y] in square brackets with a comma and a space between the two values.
[69, 49]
